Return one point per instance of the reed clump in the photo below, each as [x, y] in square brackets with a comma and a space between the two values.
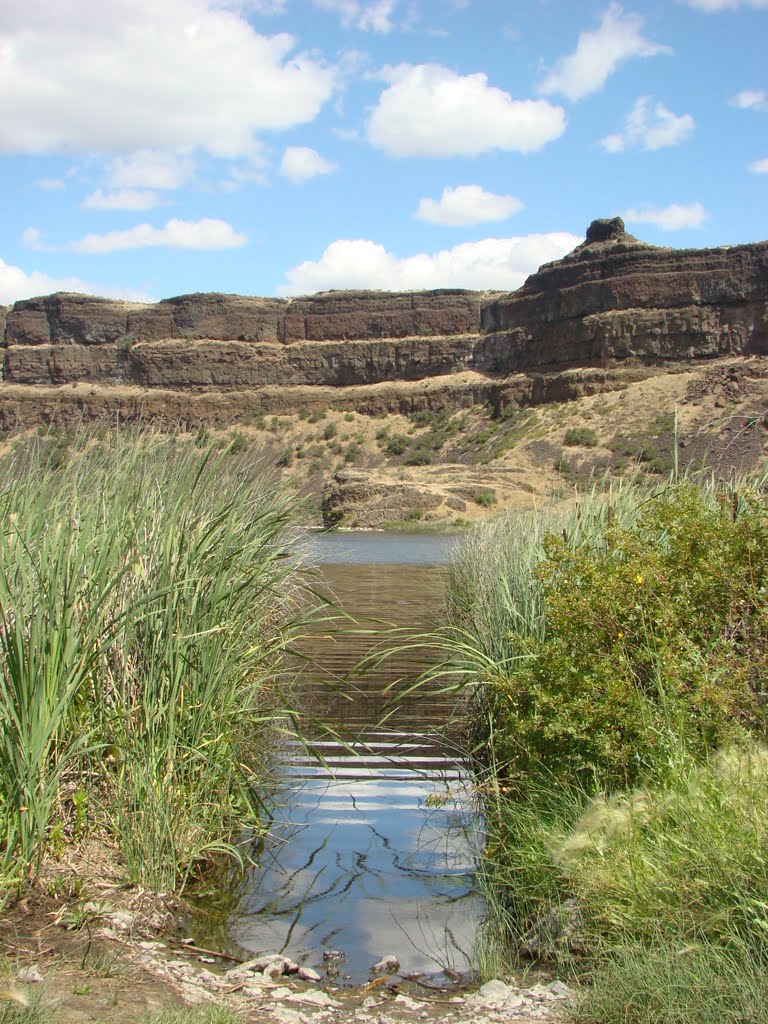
[148, 594]
[615, 652]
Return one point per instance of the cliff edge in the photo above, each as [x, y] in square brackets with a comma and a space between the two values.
[613, 301]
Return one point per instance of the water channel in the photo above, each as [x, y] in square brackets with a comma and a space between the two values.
[372, 847]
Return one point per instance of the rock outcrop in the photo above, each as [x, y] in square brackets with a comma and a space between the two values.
[613, 301]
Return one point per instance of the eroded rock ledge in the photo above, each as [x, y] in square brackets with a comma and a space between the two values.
[613, 300]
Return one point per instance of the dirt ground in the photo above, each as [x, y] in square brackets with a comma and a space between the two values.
[122, 959]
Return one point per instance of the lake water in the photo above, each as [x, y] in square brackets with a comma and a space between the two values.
[373, 843]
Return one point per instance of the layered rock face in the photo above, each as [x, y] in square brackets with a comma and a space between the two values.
[232, 341]
[613, 299]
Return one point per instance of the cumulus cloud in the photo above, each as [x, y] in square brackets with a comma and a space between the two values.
[713, 6]
[150, 169]
[374, 16]
[465, 206]
[750, 99]
[674, 217]
[125, 75]
[429, 110]
[16, 284]
[759, 166]
[300, 163]
[599, 53]
[650, 126]
[205, 234]
[493, 263]
[122, 199]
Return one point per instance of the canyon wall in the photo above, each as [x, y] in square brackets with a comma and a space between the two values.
[613, 300]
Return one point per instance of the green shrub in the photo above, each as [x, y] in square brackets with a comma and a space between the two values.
[397, 445]
[353, 453]
[655, 635]
[238, 444]
[583, 437]
[419, 457]
[330, 431]
[485, 498]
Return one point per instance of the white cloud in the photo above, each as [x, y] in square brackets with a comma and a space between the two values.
[300, 163]
[207, 233]
[674, 217]
[598, 54]
[32, 238]
[122, 199]
[759, 166]
[750, 99]
[16, 284]
[650, 126]
[429, 110]
[465, 206]
[150, 169]
[713, 6]
[51, 184]
[373, 16]
[493, 263]
[252, 6]
[124, 75]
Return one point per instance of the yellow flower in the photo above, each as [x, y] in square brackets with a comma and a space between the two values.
[639, 580]
[621, 636]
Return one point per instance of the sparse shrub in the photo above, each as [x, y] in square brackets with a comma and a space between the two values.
[397, 445]
[238, 444]
[303, 413]
[484, 498]
[349, 417]
[330, 431]
[316, 415]
[353, 453]
[580, 437]
[419, 457]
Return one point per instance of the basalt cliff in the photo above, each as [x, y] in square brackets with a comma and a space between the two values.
[612, 313]
[613, 300]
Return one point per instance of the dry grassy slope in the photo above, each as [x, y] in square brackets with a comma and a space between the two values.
[444, 469]
[447, 458]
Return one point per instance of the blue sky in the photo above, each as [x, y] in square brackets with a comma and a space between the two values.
[275, 147]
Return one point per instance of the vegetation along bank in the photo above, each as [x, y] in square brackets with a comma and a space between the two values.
[617, 654]
[148, 592]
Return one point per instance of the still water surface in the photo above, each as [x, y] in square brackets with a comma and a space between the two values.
[372, 847]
